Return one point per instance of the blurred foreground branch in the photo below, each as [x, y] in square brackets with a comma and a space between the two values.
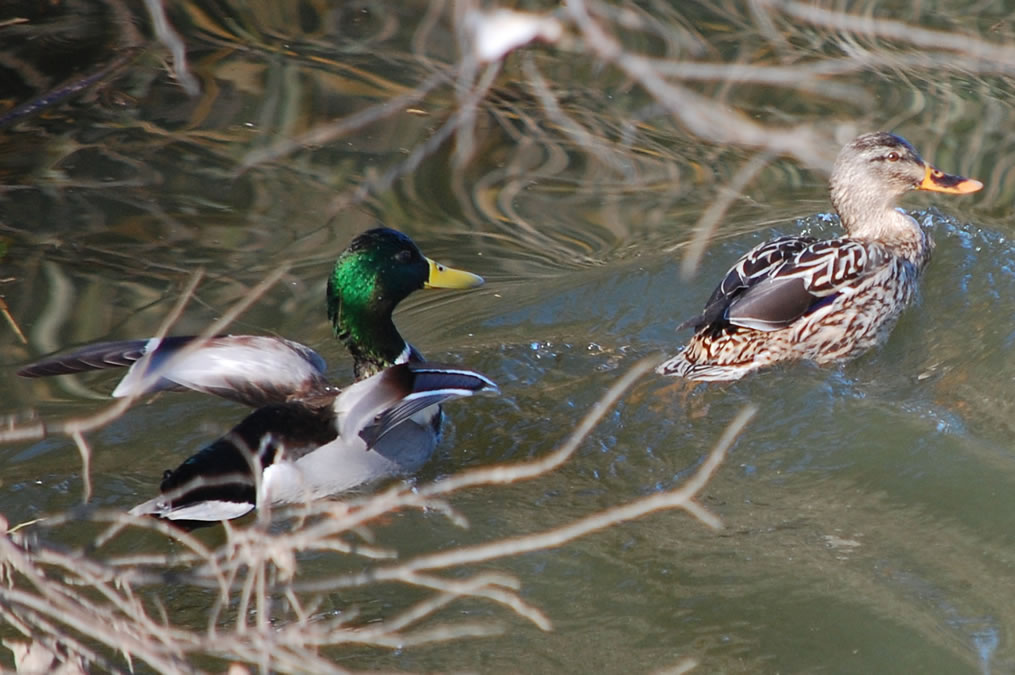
[84, 605]
[169, 37]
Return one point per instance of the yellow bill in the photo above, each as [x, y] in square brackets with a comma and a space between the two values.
[442, 276]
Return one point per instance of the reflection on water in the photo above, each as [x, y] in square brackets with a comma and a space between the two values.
[866, 509]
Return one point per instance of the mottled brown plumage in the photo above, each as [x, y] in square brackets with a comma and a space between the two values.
[800, 298]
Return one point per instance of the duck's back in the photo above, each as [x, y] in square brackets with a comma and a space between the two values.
[797, 298]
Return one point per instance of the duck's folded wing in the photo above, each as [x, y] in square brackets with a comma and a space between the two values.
[374, 406]
[253, 370]
[756, 265]
[813, 276]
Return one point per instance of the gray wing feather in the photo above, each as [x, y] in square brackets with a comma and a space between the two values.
[91, 357]
[249, 369]
[771, 304]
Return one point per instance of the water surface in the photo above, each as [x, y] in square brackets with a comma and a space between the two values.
[867, 507]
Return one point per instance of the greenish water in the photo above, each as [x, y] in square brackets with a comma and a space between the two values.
[867, 508]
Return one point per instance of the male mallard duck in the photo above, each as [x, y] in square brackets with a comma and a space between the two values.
[800, 298]
[309, 438]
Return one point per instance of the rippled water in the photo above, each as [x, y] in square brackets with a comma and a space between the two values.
[866, 508]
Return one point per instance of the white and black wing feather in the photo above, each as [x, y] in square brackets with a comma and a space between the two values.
[371, 408]
[253, 370]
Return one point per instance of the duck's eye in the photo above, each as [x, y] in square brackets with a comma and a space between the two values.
[403, 256]
[893, 156]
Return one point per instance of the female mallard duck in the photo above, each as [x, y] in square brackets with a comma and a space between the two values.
[800, 298]
[306, 437]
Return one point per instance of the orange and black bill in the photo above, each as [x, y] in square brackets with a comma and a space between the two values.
[936, 180]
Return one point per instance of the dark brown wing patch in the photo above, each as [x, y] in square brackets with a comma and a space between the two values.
[771, 304]
[757, 264]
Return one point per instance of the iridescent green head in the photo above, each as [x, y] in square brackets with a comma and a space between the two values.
[379, 269]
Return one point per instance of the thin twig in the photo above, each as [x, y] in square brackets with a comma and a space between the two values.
[171, 39]
[708, 223]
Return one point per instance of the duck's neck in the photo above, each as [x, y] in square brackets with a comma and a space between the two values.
[373, 340]
[877, 220]
[361, 316]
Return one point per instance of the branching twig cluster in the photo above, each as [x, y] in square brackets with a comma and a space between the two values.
[85, 606]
